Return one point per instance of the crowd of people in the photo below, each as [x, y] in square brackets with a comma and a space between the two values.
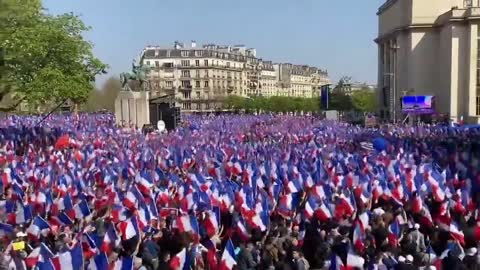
[237, 192]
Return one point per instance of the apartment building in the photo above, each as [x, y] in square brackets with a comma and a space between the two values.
[301, 80]
[268, 83]
[200, 78]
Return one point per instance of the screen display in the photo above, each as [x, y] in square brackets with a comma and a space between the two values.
[418, 104]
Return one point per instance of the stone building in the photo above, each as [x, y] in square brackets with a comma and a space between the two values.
[430, 48]
[200, 78]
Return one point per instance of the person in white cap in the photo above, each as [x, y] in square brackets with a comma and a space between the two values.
[418, 238]
[405, 263]
[471, 259]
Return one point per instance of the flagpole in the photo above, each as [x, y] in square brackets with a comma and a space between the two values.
[52, 111]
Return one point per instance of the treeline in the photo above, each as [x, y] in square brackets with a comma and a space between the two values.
[103, 98]
[362, 101]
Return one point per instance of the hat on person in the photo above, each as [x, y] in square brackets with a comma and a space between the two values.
[409, 258]
[417, 226]
[471, 251]
[21, 234]
[401, 259]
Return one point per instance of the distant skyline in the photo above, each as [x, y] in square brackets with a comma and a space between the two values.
[333, 35]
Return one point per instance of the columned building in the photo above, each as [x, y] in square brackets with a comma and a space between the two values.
[430, 48]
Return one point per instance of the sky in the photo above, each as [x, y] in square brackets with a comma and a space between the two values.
[334, 35]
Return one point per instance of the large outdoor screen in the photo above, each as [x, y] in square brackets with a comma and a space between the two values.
[418, 104]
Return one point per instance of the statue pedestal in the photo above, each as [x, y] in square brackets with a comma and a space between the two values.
[132, 108]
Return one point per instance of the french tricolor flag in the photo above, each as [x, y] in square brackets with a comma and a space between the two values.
[89, 246]
[124, 263]
[62, 219]
[358, 236]
[23, 214]
[110, 240]
[119, 213]
[323, 213]
[456, 233]
[228, 257]
[132, 198]
[70, 260]
[187, 223]
[394, 233]
[354, 261]
[417, 203]
[144, 182]
[319, 192]
[144, 217]
[64, 203]
[5, 229]
[99, 262]
[39, 254]
[212, 223]
[82, 210]
[180, 261]
[294, 186]
[336, 263]
[129, 229]
[38, 225]
[242, 230]
[310, 207]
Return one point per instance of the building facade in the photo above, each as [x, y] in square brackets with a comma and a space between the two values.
[430, 48]
[200, 78]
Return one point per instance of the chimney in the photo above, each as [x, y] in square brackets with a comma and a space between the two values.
[177, 45]
[194, 44]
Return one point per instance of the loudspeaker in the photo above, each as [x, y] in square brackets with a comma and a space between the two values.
[162, 111]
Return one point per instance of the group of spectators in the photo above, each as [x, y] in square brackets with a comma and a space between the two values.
[288, 192]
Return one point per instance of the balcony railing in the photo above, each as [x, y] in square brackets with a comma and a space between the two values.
[185, 88]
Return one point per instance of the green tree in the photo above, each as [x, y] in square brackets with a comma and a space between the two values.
[364, 100]
[272, 104]
[235, 102]
[104, 98]
[109, 93]
[340, 101]
[46, 57]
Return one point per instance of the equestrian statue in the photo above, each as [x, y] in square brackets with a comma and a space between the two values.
[139, 73]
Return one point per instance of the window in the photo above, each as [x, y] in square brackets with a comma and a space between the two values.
[184, 53]
[186, 84]
[197, 63]
[206, 84]
[185, 63]
[169, 84]
[197, 73]
[197, 84]
[148, 63]
[157, 64]
[198, 94]
[198, 53]
[187, 106]
[186, 73]
[228, 64]
[168, 65]
[205, 62]
[206, 73]
[186, 95]
[478, 105]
